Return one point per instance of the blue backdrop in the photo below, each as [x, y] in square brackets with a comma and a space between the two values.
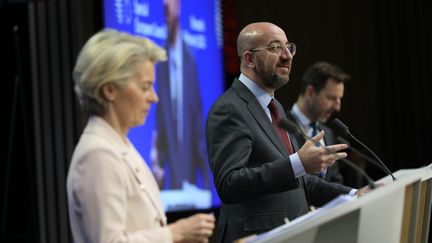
[202, 30]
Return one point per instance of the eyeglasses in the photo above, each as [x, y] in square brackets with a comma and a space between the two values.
[278, 48]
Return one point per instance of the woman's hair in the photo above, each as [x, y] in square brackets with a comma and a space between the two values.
[110, 56]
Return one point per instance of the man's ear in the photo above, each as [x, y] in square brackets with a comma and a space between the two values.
[248, 59]
[310, 90]
[109, 91]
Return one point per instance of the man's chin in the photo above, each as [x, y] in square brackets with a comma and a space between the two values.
[277, 81]
[324, 119]
[281, 81]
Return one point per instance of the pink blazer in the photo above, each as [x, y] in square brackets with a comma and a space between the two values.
[112, 195]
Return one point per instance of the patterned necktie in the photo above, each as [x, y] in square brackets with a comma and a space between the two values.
[275, 115]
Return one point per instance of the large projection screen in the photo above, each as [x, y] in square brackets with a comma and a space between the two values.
[172, 141]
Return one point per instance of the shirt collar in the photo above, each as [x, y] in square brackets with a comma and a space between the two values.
[262, 96]
[175, 51]
[304, 121]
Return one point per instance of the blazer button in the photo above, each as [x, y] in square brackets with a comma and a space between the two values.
[159, 221]
[137, 170]
[142, 187]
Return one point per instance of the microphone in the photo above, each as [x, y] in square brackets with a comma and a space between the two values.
[356, 151]
[291, 127]
[341, 129]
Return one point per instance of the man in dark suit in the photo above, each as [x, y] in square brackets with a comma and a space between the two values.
[259, 182]
[321, 93]
[179, 142]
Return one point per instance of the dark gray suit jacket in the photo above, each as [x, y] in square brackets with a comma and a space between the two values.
[333, 174]
[252, 171]
[186, 160]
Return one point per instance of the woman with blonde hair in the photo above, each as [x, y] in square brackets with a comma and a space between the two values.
[112, 194]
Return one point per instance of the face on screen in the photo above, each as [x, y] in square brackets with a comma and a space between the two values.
[171, 11]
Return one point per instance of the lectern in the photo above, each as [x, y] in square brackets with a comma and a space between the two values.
[399, 211]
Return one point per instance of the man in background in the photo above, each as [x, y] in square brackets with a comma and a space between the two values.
[178, 154]
[321, 93]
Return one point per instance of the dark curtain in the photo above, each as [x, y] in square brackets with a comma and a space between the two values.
[17, 178]
[43, 118]
[405, 59]
[58, 30]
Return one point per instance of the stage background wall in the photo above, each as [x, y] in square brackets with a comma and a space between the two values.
[386, 46]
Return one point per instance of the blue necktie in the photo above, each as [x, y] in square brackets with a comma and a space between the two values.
[315, 132]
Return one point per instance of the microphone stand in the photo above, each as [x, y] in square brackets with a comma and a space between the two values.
[342, 129]
[370, 182]
[357, 152]
[17, 98]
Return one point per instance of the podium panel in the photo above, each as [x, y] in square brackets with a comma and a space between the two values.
[399, 211]
[421, 211]
[427, 211]
[347, 225]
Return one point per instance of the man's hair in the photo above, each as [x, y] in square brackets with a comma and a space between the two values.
[318, 74]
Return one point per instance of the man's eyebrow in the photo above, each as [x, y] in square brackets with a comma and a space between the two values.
[277, 41]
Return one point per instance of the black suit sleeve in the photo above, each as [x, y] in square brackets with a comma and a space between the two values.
[320, 192]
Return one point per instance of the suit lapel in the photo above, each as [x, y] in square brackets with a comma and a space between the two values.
[164, 110]
[297, 141]
[144, 179]
[329, 138]
[294, 142]
[260, 116]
